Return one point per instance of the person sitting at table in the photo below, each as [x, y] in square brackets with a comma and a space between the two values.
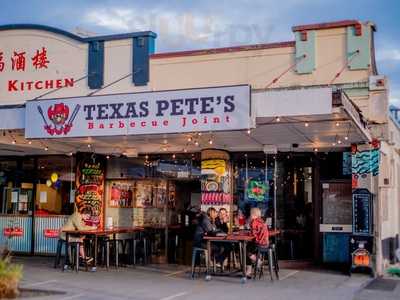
[76, 222]
[221, 221]
[259, 230]
[205, 226]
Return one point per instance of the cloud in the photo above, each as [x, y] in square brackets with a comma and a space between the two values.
[388, 55]
[395, 101]
[184, 29]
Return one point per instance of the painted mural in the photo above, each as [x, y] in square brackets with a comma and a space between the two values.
[365, 163]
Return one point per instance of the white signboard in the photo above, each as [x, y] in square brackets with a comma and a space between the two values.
[190, 110]
[298, 102]
[14, 197]
[34, 62]
[43, 197]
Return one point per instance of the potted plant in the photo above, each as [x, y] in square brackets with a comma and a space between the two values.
[10, 276]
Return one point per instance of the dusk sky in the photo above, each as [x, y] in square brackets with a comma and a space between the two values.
[183, 25]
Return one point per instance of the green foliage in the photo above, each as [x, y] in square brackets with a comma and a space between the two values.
[9, 270]
[10, 275]
[394, 271]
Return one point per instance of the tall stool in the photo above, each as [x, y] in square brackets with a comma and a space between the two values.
[196, 252]
[106, 243]
[75, 246]
[57, 260]
[266, 254]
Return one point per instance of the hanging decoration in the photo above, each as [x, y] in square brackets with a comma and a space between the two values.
[54, 177]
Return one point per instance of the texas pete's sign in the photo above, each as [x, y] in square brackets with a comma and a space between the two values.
[190, 110]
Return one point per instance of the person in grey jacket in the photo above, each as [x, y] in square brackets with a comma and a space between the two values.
[205, 226]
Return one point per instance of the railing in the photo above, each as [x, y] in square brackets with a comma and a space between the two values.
[46, 233]
[16, 232]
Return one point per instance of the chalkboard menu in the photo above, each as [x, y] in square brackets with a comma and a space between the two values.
[362, 212]
[89, 196]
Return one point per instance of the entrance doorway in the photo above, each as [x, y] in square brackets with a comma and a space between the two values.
[294, 205]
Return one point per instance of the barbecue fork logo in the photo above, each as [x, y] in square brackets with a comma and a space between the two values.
[60, 119]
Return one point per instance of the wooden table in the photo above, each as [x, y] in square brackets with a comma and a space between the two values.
[241, 239]
[96, 233]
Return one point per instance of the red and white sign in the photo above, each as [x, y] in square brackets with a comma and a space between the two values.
[18, 61]
[13, 231]
[190, 110]
[51, 233]
[34, 62]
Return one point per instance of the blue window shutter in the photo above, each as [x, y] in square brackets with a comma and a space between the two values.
[143, 47]
[96, 64]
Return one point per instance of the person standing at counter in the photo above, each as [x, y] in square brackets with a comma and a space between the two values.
[76, 222]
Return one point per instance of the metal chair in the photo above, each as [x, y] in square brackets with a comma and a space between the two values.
[196, 253]
[268, 255]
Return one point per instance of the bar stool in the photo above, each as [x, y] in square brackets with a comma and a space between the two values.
[105, 248]
[73, 248]
[60, 245]
[266, 254]
[196, 251]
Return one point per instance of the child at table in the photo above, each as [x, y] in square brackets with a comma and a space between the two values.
[259, 230]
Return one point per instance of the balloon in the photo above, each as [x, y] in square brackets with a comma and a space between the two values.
[57, 185]
[54, 177]
[49, 183]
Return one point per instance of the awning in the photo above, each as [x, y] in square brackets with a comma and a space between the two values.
[306, 119]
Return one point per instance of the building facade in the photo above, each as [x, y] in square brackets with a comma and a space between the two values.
[299, 128]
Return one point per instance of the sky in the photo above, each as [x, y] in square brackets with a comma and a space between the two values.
[184, 25]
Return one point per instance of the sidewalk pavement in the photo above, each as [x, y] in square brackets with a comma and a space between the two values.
[168, 282]
[380, 288]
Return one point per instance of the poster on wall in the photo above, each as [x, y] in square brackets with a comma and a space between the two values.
[90, 170]
[215, 178]
[121, 194]
[144, 193]
[160, 194]
[215, 182]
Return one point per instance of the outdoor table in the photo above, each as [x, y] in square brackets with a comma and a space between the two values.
[242, 238]
[96, 233]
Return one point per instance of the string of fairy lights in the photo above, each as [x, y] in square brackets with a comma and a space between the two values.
[200, 140]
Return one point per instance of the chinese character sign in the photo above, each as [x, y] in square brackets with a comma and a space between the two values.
[18, 61]
[1, 62]
[40, 60]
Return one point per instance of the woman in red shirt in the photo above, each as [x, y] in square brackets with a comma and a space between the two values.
[259, 230]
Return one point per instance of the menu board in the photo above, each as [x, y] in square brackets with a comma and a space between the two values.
[121, 194]
[89, 198]
[362, 212]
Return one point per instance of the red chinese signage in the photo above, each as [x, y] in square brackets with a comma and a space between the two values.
[51, 233]
[13, 231]
[22, 61]
[18, 60]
